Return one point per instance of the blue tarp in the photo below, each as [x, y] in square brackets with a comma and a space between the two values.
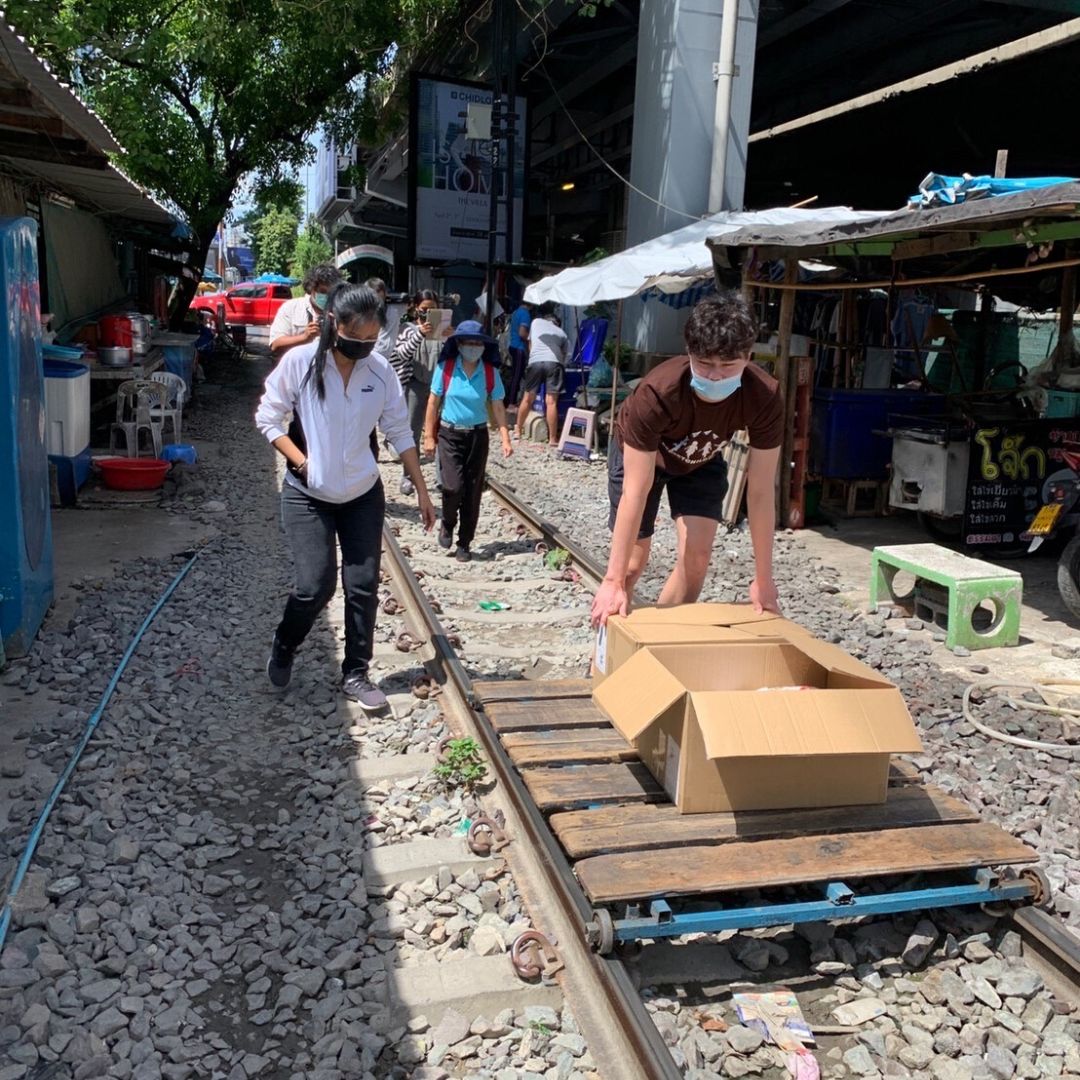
[277, 279]
[939, 190]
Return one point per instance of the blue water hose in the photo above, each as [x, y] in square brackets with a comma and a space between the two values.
[91, 725]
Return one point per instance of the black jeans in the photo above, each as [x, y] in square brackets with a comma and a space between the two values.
[462, 459]
[518, 359]
[314, 528]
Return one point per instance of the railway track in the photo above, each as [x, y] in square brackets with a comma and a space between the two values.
[603, 991]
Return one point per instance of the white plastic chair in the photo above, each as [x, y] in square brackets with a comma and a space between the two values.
[136, 401]
[173, 409]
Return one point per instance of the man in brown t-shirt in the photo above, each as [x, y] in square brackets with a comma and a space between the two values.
[670, 433]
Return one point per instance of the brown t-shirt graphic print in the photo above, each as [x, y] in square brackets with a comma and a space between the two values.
[664, 415]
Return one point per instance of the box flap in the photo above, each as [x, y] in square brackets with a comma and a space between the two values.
[771, 723]
[645, 634]
[635, 695]
[699, 615]
[833, 658]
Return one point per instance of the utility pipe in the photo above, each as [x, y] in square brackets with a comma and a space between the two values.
[724, 73]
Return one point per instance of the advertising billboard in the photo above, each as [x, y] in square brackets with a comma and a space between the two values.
[450, 174]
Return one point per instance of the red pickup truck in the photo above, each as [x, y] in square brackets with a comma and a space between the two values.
[247, 304]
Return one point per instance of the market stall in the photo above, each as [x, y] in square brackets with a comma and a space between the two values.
[902, 335]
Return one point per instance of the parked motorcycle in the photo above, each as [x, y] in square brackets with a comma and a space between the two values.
[1059, 515]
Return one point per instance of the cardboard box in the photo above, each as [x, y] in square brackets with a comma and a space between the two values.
[716, 740]
[687, 624]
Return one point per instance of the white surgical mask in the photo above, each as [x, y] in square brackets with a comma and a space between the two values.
[714, 389]
[471, 353]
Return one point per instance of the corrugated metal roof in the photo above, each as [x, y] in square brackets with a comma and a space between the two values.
[106, 190]
[61, 99]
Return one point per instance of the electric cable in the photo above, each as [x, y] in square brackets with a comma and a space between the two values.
[91, 725]
[1066, 750]
[607, 165]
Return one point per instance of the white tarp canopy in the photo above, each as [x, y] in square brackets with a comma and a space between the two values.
[673, 262]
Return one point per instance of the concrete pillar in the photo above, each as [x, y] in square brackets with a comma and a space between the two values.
[674, 108]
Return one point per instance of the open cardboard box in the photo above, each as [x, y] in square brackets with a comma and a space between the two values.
[716, 728]
[686, 624]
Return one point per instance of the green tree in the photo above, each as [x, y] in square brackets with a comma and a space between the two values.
[312, 248]
[275, 238]
[201, 93]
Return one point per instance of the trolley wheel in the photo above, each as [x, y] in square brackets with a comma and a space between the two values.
[600, 931]
[1039, 883]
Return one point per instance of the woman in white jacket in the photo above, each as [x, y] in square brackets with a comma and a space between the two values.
[319, 409]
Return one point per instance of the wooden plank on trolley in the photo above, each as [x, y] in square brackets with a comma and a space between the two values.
[565, 747]
[532, 689]
[544, 715]
[585, 785]
[627, 828]
[903, 772]
[759, 864]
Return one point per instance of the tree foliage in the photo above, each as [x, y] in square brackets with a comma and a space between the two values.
[312, 248]
[274, 235]
[201, 93]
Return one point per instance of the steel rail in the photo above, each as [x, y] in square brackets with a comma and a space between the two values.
[601, 982]
[1050, 945]
[551, 533]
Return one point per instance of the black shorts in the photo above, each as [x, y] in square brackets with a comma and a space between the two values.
[547, 372]
[694, 494]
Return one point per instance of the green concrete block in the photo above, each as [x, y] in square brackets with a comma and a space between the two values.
[969, 582]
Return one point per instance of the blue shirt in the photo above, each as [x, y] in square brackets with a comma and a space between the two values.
[520, 318]
[466, 398]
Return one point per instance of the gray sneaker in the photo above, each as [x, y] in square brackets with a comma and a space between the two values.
[407, 487]
[356, 686]
[279, 666]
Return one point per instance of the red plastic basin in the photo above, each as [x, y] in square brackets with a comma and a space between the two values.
[133, 474]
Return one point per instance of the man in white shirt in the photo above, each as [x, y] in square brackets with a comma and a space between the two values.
[299, 320]
[547, 359]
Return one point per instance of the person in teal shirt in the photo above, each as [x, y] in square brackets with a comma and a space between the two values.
[465, 383]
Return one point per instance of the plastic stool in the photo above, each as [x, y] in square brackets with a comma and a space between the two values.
[964, 584]
[577, 434]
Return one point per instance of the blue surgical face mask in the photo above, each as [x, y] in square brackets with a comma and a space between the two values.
[714, 389]
[471, 353]
[320, 299]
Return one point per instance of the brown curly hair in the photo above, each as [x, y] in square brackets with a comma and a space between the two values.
[722, 326]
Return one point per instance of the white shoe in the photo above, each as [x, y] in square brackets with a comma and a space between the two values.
[407, 487]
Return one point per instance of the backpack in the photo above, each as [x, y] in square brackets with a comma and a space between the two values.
[489, 377]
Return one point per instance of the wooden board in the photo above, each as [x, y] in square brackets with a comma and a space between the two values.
[586, 785]
[761, 864]
[561, 747]
[532, 689]
[543, 715]
[626, 828]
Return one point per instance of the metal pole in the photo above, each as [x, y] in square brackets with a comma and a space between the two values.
[724, 73]
[511, 130]
[496, 133]
[615, 372]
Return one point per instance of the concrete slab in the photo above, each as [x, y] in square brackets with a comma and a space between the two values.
[475, 986]
[96, 543]
[388, 769]
[664, 964]
[518, 618]
[418, 859]
[1044, 619]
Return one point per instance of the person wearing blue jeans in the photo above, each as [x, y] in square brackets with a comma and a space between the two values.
[336, 390]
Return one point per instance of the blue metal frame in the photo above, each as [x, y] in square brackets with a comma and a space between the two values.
[840, 902]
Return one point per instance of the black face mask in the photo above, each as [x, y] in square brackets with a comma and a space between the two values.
[353, 349]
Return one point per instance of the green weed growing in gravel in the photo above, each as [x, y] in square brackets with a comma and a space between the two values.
[557, 559]
[464, 766]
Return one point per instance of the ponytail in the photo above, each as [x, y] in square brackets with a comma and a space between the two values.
[345, 303]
